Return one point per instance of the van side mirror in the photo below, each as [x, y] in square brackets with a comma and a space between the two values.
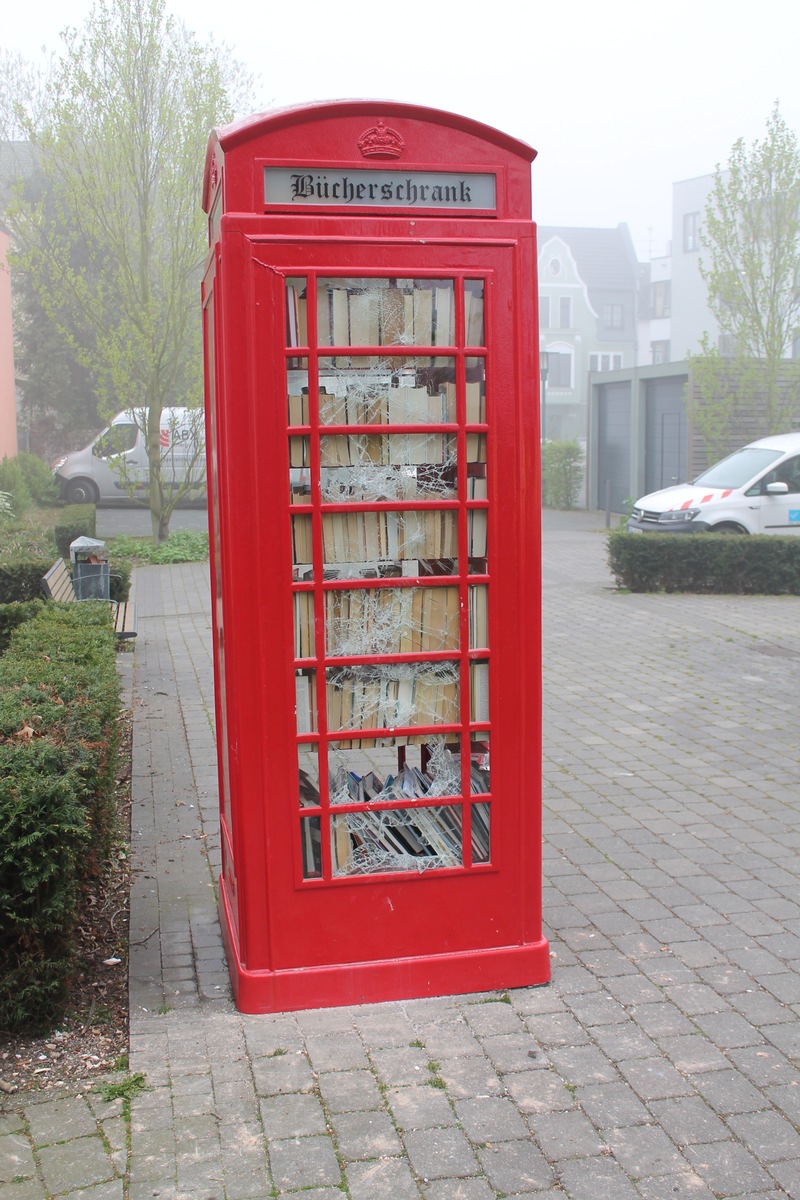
[777, 489]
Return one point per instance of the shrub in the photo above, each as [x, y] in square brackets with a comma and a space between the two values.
[29, 480]
[562, 474]
[75, 520]
[705, 562]
[59, 734]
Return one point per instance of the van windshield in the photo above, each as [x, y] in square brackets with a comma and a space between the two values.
[738, 469]
[115, 440]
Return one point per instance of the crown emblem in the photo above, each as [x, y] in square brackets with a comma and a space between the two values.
[381, 142]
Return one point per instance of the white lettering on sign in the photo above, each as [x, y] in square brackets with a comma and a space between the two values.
[386, 189]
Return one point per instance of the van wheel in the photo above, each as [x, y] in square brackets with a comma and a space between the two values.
[728, 527]
[81, 491]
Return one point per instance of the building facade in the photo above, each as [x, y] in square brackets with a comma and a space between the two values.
[588, 288]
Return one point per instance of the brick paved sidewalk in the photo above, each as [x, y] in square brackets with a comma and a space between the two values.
[661, 1063]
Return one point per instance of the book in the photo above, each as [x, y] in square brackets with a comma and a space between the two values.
[479, 691]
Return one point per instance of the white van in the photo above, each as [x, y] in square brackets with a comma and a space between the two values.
[755, 490]
[114, 466]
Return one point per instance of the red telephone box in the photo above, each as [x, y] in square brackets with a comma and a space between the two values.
[372, 396]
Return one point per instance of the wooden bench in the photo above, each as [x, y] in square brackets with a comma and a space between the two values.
[58, 585]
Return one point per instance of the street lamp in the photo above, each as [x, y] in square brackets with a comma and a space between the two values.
[544, 358]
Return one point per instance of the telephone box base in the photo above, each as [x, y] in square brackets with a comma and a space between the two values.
[338, 984]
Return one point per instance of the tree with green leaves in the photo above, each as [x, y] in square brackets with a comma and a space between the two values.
[115, 245]
[751, 267]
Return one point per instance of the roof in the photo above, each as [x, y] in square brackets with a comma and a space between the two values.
[605, 258]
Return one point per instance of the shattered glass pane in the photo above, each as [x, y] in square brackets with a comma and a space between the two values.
[382, 621]
[380, 467]
[397, 839]
[369, 390]
[392, 695]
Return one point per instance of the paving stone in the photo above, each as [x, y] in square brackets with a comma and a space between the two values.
[565, 1135]
[490, 1119]
[365, 1135]
[654, 1078]
[440, 1153]
[728, 1092]
[581, 1065]
[385, 1179]
[689, 1119]
[769, 1135]
[77, 1163]
[16, 1157]
[294, 1115]
[349, 1091]
[420, 1107]
[471, 1077]
[643, 1150]
[304, 1162]
[514, 1167]
[60, 1120]
[595, 1179]
[728, 1168]
[612, 1105]
[459, 1189]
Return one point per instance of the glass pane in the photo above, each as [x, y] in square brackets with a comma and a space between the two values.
[367, 390]
[479, 691]
[410, 543]
[296, 323]
[301, 547]
[390, 695]
[475, 410]
[473, 312]
[391, 621]
[311, 842]
[304, 625]
[308, 775]
[297, 392]
[477, 527]
[386, 769]
[478, 616]
[397, 839]
[305, 701]
[388, 466]
[299, 470]
[385, 312]
[481, 832]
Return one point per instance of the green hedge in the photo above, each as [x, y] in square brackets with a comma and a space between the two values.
[59, 739]
[705, 562]
[21, 581]
[74, 520]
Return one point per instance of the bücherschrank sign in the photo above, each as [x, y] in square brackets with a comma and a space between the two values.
[300, 186]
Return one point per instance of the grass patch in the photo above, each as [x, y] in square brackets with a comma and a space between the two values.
[184, 545]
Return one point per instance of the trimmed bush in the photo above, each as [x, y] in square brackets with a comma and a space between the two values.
[75, 520]
[705, 562]
[59, 737]
[562, 473]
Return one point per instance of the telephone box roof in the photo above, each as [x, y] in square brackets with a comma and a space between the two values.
[227, 138]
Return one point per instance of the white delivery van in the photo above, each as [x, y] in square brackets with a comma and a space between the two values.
[755, 490]
[114, 466]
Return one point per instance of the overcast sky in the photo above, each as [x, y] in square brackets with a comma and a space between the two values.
[621, 99]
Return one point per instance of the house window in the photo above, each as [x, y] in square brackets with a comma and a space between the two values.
[605, 362]
[613, 316]
[691, 231]
[544, 312]
[662, 298]
[559, 370]
[565, 312]
[660, 351]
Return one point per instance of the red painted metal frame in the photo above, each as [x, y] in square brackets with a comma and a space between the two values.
[295, 942]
